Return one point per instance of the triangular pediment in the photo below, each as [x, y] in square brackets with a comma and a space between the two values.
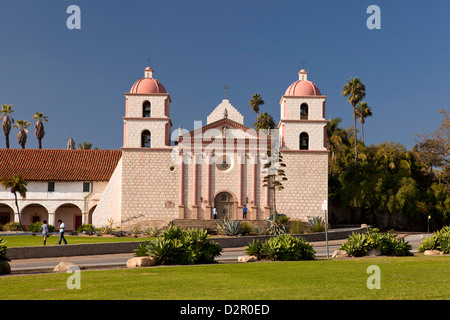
[225, 110]
[224, 128]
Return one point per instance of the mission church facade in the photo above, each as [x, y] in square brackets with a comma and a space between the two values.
[163, 174]
[220, 164]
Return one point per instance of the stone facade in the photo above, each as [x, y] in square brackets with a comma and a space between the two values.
[186, 178]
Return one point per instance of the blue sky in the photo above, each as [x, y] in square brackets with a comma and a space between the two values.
[78, 77]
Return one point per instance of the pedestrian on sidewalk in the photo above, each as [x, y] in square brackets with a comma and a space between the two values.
[44, 229]
[62, 227]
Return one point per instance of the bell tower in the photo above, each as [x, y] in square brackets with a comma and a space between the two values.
[147, 122]
[302, 122]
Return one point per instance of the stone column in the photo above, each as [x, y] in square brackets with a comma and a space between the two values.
[194, 208]
[51, 218]
[254, 208]
[208, 212]
[181, 189]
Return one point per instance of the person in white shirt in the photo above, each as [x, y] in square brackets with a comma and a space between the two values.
[62, 226]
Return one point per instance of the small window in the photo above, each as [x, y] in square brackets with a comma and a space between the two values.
[51, 187]
[224, 163]
[304, 141]
[146, 109]
[146, 139]
[304, 111]
[86, 187]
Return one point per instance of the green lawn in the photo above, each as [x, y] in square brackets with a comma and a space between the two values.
[31, 241]
[418, 277]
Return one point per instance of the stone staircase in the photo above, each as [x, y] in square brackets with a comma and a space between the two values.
[211, 224]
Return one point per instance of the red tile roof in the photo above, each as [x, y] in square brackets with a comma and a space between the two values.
[59, 164]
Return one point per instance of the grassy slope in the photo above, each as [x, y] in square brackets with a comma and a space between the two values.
[31, 241]
[418, 277]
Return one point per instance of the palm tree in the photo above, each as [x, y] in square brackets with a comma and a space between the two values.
[86, 145]
[39, 127]
[22, 135]
[255, 102]
[336, 138]
[6, 123]
[264, 121]
[362, 112]
[355, 90]
[16, 185]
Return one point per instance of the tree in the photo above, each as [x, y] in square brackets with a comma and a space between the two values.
[275, 177]
[39, 127]
[355, 90]
[22, 125]
[264, 121]
[255, 102]
[6, 123]
[336, 138]
[16, 185]
[362, 112]
[85, 145]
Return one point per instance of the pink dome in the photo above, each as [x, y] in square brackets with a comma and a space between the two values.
[148, 85]
[302, 88]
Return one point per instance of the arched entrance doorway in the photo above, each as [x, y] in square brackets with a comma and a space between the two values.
[224, 202]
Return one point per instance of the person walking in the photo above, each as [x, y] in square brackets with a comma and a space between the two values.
[244, 212]
[215, 212]
[44, 229]
[62, 227]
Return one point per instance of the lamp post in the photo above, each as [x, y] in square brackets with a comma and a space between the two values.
[428, 223]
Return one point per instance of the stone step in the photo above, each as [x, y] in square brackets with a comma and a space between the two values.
[211, 224]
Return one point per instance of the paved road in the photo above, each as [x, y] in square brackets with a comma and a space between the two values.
[115, 260]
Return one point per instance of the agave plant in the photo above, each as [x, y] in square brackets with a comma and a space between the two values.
[357, 245]
[276, 229]
[229, 227]
[315, 224]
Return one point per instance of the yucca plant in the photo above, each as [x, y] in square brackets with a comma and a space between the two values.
[229, 227]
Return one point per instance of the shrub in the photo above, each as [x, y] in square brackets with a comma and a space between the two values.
[12, 226]
[358, 244]
[141, 250]
[177, 246]
[246, 227]
[3, 256]
[296, 227]
[283, 247]
[229, 227]
[315, 224]
[276, 229]
[254, 249]
[35, 227]
[439, 240]
[152, 232]
[87, 228]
